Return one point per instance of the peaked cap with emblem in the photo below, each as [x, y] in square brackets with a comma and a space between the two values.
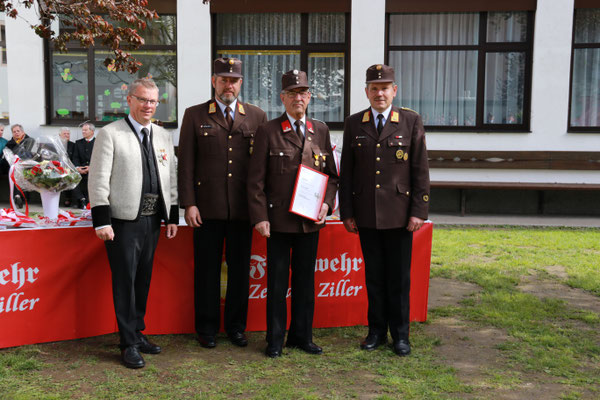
[228, 67]
[380, 73]
[294, 79]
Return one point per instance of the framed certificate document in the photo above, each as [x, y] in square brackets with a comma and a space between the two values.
[309, 193]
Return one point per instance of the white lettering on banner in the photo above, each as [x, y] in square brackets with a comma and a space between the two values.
[258, 265]
[17, 275]
[343, 263]
[15, 303]
[258, 291]
[338, 289]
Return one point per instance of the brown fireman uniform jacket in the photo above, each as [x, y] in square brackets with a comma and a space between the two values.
[384, 179]
[277, 155]
[213, 161]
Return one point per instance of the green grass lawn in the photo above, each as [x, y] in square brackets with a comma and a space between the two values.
[541, 346]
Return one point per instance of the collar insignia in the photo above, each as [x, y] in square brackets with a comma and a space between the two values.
[366, 116]
[241, 109]
[286, 126]
[309, 126]
[212, 108]
[395, 116]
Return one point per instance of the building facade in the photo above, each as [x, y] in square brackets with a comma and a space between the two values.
[509, 91]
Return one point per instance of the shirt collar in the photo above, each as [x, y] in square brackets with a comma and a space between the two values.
[385, 113]
[137, 126]
[223, 106]
[293, 120]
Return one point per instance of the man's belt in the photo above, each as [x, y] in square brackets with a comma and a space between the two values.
[149, 204]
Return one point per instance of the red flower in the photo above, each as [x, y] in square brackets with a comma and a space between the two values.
[56, 163]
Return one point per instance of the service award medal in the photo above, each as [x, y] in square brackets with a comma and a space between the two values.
[162, 157]
[405, 156]
[316, 160]
[399, 154]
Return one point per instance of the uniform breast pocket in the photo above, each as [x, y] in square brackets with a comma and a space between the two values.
[280, 160]
[207, 140]
[398, 150]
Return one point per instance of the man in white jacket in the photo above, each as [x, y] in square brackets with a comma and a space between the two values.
[132, 187]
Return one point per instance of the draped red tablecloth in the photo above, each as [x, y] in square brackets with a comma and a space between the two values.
[55, 284]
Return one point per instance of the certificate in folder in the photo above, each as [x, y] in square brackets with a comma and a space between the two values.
[309, 193]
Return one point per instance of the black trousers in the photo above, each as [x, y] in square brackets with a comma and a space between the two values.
[387, 254]
[208, 253]
[303, 248]
[130, 256]
[81, 190]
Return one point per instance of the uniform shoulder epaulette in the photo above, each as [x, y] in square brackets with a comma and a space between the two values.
[318, 120]
[408, 109]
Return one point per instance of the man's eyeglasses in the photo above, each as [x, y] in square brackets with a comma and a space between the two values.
[304, 94]
[146, 101]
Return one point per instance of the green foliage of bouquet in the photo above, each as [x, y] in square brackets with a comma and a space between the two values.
[49, 175]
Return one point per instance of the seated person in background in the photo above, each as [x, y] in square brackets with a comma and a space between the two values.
[3, 163]
[81, 158]
[20, 144]
[65, 138]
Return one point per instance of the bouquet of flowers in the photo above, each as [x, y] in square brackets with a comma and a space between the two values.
[49, 175]
[46, 167]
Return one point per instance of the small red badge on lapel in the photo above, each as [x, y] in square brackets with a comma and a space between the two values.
[309, 126]
[286, 126]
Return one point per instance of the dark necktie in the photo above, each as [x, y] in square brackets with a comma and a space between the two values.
[228, 118]
[298, 124]
[380, 123]
[146, 141]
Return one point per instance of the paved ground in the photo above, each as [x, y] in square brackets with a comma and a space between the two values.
[454, 219]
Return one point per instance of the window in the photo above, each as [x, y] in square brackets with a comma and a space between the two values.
[83, 88]
[3, 74]
[272, 43]
[585, 72]
[463, 71]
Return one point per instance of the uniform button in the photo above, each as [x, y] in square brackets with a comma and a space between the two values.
[229, 137]
[199, 183]
[205, 133]
[229, 175]
[377, 172]
[377, 186]
[378, 159]
[280, 154]
[230, 149]
[378, 145]
[360, 145]
[230, 161]
[309, 139]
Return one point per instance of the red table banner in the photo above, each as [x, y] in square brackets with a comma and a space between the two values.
[55, 284]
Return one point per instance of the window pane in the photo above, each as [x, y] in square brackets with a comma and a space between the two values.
[69, 85]
[440, 85]
[3, 74]
[161, 31]
[258, 29]
[585, 101]
[507, 26]
[326, 77]
[587, 25]
[111, 86]
[434, 29]
[262, 72]
[326, 28]
[504, 88]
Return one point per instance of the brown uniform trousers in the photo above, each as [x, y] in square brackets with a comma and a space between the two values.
[213, 167]
[277, 155]
[384, 180]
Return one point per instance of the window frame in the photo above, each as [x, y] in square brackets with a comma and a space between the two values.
[483, 48]
[76, 47]
[305, 48]
[574, 46]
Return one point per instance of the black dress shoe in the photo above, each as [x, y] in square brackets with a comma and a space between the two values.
[372, 341]
[132, 358]
[273, 351]
[146, 347]
[207, 341]
[238, 338]
[309, 348]
[402, 347]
